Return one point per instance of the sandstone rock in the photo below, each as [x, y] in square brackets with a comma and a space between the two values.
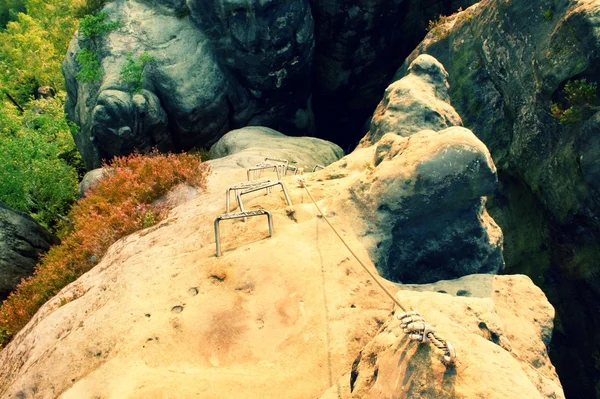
[498, 320]
[418, 101]
[251, 145]
[358, 45]
[588, 149]
[90, 179]
[211, 72]
[507, 62]
[286, 314]
[219, 65]
[22, 241]
[422, 202]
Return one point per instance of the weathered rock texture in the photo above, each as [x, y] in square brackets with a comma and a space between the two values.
[22, 241]
[419, 101]
[251, 145]
[423, 202]
[425, 198]
[358, 45]
[204, 80]
[495, 318]
[507, 62]
[224, 64]
[281, 316]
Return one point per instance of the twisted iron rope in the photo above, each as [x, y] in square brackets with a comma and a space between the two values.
[449, 358]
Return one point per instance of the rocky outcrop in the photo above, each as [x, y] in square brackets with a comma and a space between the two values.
[22, 242]
[504, 314]
[428, 222]
[219, 68]
[218, 65]
[251, 145]
[419, 101]
[358, 45]
[286, 314]
[508, 61]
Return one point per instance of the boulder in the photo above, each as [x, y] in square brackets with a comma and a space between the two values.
[249, 146]
[504, 315]
[90, 179]
[419, 101]
[507, 63]
[423, 196]
[422, 203]
[208, 73]
[22, 242]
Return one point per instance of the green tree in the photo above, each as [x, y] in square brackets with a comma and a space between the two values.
[38, 161]
[9, 10]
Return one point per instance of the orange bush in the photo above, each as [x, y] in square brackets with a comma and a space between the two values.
[119, 205]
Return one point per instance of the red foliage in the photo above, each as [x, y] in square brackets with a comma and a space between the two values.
[119, 205]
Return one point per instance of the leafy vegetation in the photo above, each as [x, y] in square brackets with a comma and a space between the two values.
[38, 160]
[9, 10]
[33, 45]
[88, 7]
[96, 25]
[120, 204]
[548, 14]
[132, 72]
[93, 27]
[89, 70]
[580, 99]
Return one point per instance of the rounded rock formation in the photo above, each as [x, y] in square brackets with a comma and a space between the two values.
[22, 242]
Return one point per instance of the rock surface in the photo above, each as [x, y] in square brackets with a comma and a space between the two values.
[288, 314]
[204, 80]
[90, 179]
[423, 201]
[419, 101]
[222, 64]
[508, 61]
[358, 46]
[491, 312]
[249, 146]
[427, 222]
[22, 241]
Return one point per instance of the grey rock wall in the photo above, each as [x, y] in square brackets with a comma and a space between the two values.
[22, 241]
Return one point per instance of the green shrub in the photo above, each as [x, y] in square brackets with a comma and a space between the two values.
[92, 27]
[95, 25]
[38, 160]
[132, 72]
[9, 10]
[120, 204]
[548, 14]
[580, 100]
[89, 66]
[580, 92]
[89, 7]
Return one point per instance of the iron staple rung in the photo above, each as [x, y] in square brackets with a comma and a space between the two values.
[249, 184]
[257, 187]
[236, 215]
[269, 165]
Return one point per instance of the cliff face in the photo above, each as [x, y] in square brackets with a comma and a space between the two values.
[508, 63]
[22, 242]
[212, 66]
[288, 314]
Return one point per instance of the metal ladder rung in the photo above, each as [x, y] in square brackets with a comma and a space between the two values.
[239, 215]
